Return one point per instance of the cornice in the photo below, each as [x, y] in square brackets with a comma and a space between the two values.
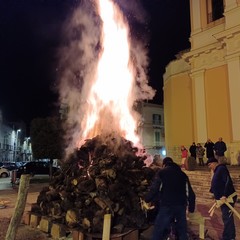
[203, 50]
[176, 67]
[228, 33]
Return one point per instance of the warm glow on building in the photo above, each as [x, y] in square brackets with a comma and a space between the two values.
[201, 87]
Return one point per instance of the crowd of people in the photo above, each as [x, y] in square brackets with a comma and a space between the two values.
[173, 195]
[197, 151]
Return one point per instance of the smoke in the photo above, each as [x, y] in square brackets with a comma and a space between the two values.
[138, 19]
[134, 10]
[78, 62]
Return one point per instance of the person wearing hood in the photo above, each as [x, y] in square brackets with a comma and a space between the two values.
[172, 189]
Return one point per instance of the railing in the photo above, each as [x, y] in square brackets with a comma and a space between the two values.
[157, 122]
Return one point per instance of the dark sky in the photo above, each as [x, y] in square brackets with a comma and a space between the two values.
[30, 35]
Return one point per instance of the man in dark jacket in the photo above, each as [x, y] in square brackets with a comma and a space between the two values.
[209, 145]
[192, 150]
[173, 190]
[223, 190]
[220, 148]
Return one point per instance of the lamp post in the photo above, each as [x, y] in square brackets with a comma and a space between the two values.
[27, 149]
[16, 146]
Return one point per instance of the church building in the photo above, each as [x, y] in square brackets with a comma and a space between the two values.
[202, 86]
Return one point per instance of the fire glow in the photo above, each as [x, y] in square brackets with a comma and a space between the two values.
[103, 75]
[110, 97]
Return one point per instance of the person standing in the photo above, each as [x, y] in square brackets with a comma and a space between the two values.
[172, 189]
[192, 150]
[184, 156]
[220, 148]
[223, 190]
[209, 145]
[200, 151]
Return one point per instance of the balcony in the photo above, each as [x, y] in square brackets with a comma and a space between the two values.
[157, 125]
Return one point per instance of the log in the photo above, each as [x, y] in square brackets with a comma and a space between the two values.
[100, 202]
[97, 222]
[19, 207]
[118, 228]
[56, 209]
[52, 195]
[105, 173]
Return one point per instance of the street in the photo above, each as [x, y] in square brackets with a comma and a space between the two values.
[9, 194]
[8, 199]
[5, 183]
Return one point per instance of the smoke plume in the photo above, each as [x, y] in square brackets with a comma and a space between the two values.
[78, 62]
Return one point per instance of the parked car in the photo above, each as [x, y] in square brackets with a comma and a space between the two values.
[35, 168]
[4, 172]
[12, 165]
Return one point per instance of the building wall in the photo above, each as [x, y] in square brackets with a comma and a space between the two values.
[178, 110]
[7, 137]
[201, 87]
[12, 145]
[217, 103]
[148, 127]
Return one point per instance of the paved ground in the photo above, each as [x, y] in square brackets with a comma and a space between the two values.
[213, 226]
[10, 196]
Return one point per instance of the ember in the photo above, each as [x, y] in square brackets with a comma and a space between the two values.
[104, 175]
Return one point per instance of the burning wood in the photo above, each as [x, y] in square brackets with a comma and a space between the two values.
[104, 175]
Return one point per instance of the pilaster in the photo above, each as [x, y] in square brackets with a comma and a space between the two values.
[233, 64]
[196, 16]
[200, 105]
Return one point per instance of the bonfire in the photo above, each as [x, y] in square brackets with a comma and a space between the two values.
[105, 175]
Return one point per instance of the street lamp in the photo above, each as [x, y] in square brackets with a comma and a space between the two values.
[19, 130]
[16, 147]
[27, 148]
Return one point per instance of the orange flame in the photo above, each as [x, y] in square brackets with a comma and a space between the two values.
[110, 99]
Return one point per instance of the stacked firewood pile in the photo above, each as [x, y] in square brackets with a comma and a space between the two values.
[104, 176]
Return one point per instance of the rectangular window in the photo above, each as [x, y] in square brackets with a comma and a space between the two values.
[157, 138]
[215, 9]
[156, 119]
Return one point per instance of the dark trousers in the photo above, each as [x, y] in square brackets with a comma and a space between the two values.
[201, 162]
[228, 221]
[164, 220]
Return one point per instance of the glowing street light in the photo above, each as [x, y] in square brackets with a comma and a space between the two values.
[18, 131]
[17, 144]
[27, 150]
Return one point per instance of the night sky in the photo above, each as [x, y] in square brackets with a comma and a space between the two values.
[31, 34]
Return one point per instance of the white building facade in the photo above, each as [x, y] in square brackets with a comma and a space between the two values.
[151, 128]
[13, 145]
